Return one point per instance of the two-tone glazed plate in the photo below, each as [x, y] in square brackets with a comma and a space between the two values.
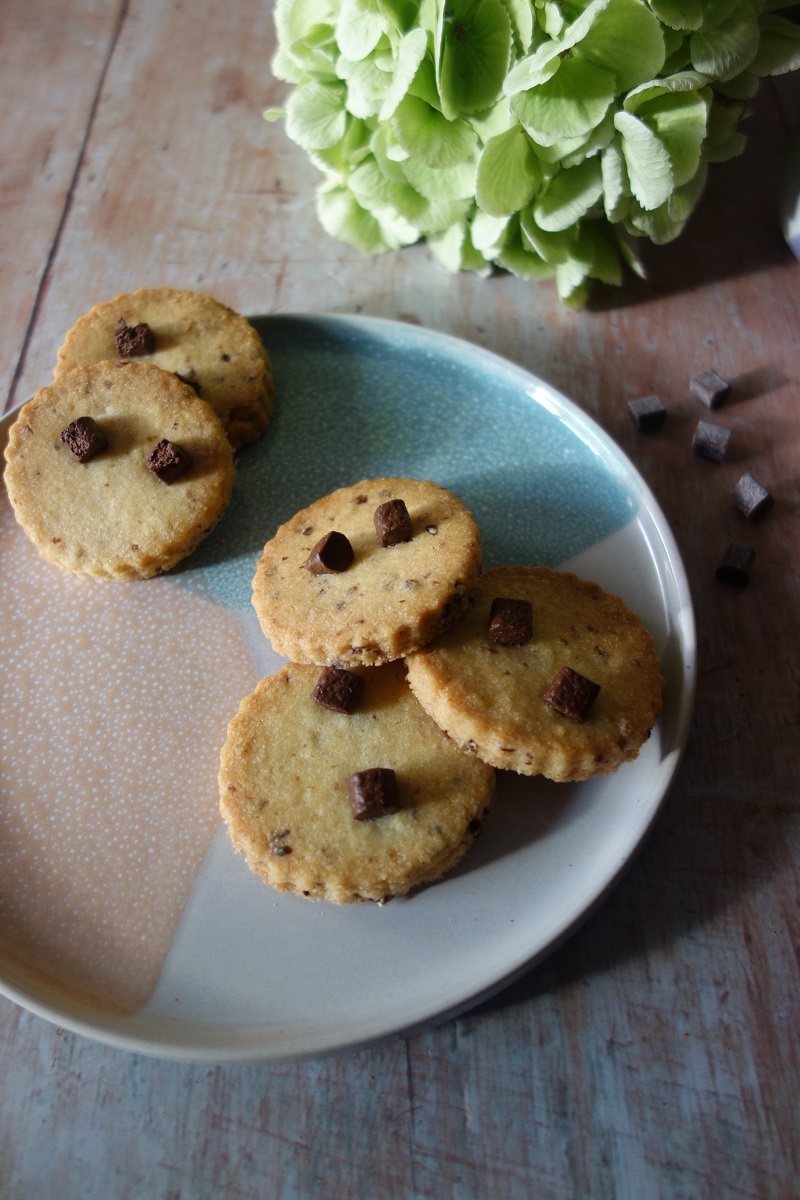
[124, 913]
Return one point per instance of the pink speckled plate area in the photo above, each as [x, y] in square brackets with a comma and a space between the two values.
[125, 915]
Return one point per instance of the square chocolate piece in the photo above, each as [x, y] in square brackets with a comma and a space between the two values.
[373, 793]
[393, 523]
[735, 565]
[647, 412]
[510, 621]
[711, 441]
[168, 461]
[338, 690]
[84, 439]
[571, 694]
[710, 388]
[132, 341]
[751, 497]
[331, 555]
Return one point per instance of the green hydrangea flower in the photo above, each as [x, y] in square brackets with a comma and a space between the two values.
[540, 136]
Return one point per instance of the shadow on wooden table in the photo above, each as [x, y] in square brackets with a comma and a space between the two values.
[736, 228]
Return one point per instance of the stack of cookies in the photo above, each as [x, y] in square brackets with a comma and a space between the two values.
[121, 466]
[365, 766]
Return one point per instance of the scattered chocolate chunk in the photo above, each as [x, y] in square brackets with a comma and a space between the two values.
[751, 497]
[647, 413]
[735, 565]
[331, 555]
[338, 690]
[392, 523]
[710, 388]
[711, 441]
[132, 341]
[373, 793]
[571, 694]
[510, 621]
[169, 461]
[84, 438]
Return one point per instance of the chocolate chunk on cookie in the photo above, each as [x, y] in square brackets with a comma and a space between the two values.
[193, 336]
[114, 518]
[306, 806]
[388, 602]
[498, 700]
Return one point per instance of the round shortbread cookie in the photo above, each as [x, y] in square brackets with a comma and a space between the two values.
[490, 697]
[196, 337]
[283, 792]
[390, 600]
[112, 517]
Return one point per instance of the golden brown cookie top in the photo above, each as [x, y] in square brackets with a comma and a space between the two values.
[117, 470]
[349, 598]
[191, 334]
[512, 702]
[284, 794]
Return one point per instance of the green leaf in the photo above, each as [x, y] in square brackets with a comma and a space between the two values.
[568, 196]
[741, 87]
[629, 253]
[343, 217]
[647, 161]
[358, 29]
[625, 39]
[520, 15]
[534, 70]
[569, 105]
[403, 14]
[679, 14]
[616, 190]
[294, 19]
[454, 249]
[509, 173]
[519, 261]
[428, 136]
[366, 86]
[729, 48]
[437, 215]
[409, 56]
[491, 121]
[571, 283]
[779, 48]
[551, 247]
[316, 116]
[489, 233]
[683, 81]
[473, 55]
[452, 183]
[597, 244]
[679, 121]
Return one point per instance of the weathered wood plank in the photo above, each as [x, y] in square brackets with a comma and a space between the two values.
[51, 70]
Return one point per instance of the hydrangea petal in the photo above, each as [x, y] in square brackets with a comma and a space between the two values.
[509, 173]
[569, 195]
[647, 161]
[428, 136]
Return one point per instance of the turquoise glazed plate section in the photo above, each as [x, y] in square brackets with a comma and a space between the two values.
[359, 398]
[249, 974]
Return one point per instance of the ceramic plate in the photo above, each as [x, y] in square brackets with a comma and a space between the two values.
[124, 913]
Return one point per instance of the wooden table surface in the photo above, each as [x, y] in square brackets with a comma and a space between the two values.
[655, 1054]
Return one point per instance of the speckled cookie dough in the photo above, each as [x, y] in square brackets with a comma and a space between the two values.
[190, 334]
[384, 601]
[117, 470]
[283, 788]
[491, 697]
